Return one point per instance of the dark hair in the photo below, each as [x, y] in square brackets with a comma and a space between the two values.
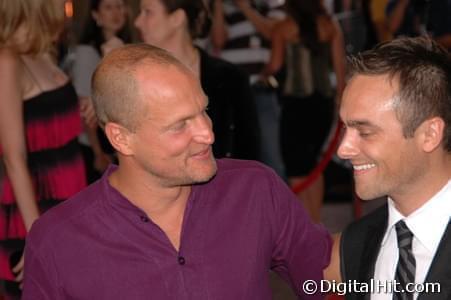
[92, 33]
[197, 13]
[423, 70]
[305, 13]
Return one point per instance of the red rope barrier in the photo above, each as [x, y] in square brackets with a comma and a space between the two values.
[316, 172]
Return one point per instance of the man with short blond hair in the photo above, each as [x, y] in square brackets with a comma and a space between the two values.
[170, 221]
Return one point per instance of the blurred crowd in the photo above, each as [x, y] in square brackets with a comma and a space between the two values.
[273, 71]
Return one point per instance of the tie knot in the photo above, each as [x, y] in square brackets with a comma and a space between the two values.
[404, 235]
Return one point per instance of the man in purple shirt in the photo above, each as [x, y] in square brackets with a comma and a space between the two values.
[170, 222]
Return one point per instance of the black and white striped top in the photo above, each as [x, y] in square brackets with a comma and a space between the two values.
[245, 46]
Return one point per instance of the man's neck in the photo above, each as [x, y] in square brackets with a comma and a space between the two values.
[184, 50]
[165, 206]
[421, 192]
[156, 200]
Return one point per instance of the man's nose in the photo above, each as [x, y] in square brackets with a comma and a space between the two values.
[204, 132]
[347, 148]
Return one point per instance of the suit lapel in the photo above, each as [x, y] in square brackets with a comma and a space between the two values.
[373, 240]
[440, 270]
[371, 250]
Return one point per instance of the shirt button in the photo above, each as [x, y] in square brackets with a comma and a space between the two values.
[181, 260]
[144, 219]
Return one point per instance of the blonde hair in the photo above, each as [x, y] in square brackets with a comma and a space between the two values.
[115, 91]
[43, 21]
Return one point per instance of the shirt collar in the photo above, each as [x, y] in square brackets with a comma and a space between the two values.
[114, 197]
[121, 203]
[427, 223]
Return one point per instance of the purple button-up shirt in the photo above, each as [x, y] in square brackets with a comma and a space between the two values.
[236, 227]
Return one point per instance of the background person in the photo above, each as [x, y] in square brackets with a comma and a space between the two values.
[106, 28]
[404, 17]
[240, 34]
[309, 42]
[39, 127]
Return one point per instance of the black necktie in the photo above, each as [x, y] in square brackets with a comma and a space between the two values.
[405, 270]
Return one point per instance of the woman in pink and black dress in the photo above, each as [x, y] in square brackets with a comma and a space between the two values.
[39, 126]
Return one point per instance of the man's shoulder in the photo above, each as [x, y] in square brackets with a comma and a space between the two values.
[57, 222]
[360, 237]
[375, 218]
[241, 183]
[241, 166]
[245, 173]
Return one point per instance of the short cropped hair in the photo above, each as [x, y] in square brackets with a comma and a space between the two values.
[115, 91]
[43, 21]
[422, 69]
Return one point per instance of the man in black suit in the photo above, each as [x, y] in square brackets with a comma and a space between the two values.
[397, 112]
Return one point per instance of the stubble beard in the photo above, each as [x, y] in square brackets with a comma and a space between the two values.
[194, 175]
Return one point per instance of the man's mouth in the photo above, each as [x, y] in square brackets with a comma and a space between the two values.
[363, 167]
[203, 154]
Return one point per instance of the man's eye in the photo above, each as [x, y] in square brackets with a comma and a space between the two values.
[179, 126]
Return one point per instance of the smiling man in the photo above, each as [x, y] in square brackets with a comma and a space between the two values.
[397, 112]
[170, 221]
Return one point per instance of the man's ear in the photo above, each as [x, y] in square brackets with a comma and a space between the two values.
[431, 133]
[178, 17]
[119, 137]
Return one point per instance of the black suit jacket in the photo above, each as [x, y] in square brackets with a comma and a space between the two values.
[360, 245]
[231, 108]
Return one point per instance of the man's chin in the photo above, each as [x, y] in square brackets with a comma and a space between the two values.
[367, 195]
[208, 173]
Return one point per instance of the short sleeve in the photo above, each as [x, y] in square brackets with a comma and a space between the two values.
[40, 276]
[302, 249]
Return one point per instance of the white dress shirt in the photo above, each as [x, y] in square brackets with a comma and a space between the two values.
[428, 223]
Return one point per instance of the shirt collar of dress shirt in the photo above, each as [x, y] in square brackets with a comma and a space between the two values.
[427, 223]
